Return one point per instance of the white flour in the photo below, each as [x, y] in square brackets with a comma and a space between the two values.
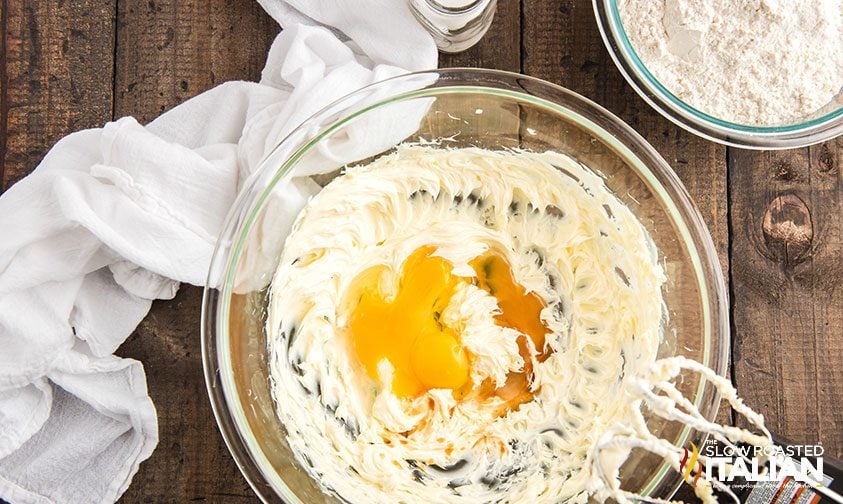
[754, 62]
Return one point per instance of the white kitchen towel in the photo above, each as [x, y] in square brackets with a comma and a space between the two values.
[115, 217]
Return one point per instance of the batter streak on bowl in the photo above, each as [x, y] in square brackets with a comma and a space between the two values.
[463, 326]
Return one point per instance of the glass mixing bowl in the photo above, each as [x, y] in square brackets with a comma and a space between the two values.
[819, 127]
[484, 108]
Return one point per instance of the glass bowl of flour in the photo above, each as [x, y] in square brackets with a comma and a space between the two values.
[590, 226]
[766, 74]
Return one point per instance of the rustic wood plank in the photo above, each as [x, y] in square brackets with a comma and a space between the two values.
[191, 462]
[56, 76]
[500, 48]
[168, 51]
[788, 307]
[4, 86]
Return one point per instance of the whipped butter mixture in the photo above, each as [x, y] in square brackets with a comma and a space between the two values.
[463, 325]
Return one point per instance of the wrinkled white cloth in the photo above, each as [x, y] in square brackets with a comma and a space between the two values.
[114, 218]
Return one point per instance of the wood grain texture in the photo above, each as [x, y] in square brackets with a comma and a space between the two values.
[191, 462]
[56, 73]
[170, 50]
[787, 274]
[500, 48]
[4, 91]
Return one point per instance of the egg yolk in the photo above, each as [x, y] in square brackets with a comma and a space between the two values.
[405, 328]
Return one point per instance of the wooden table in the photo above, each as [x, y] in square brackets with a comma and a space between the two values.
[775, 217]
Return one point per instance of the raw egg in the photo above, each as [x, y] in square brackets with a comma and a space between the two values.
[404, 326]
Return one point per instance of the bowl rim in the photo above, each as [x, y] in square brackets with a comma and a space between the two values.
[223, 394]
[689, 118]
